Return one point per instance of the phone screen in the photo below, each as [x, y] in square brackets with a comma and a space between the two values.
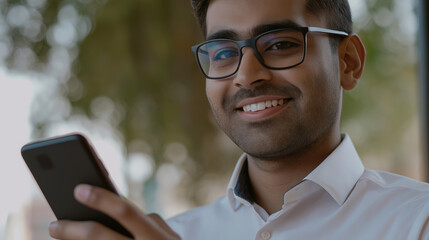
[58, 165]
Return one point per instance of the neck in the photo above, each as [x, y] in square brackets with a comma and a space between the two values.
[270, 179]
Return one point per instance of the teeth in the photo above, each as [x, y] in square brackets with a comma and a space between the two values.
[253, 107]
[275, 103]
[263, 105]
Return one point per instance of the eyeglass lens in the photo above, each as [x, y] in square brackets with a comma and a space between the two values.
[280, 49]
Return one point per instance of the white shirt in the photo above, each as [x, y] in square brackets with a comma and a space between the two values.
[337, 200]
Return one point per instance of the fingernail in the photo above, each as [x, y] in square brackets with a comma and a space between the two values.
[82, 192]
[53, 226]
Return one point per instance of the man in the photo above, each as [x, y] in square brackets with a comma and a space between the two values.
[276, 71]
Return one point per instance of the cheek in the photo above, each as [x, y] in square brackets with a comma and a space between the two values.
[318, 85]
[320, 72]
[215, 91]
[301, 77]
[322, 63]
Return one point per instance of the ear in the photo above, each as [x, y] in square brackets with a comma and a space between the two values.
[351, 53]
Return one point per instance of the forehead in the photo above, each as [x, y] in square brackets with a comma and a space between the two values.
[241, 16]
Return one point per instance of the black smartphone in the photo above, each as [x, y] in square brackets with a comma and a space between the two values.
[58, 165]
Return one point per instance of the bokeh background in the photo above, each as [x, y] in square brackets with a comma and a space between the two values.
[122, 73]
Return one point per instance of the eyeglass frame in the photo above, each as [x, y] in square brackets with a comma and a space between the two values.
[251, 42]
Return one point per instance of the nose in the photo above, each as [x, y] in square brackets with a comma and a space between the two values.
[251, 72]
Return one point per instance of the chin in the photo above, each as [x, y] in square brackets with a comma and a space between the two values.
[274, 147]
[262, 151]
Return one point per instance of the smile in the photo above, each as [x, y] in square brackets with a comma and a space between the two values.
[254, 107]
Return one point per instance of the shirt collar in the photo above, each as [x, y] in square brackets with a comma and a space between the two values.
[339, 172]
[337, 175]
[234, 199]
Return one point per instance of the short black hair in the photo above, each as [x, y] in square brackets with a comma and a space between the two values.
[337, 12]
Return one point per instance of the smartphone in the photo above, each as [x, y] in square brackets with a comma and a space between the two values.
[58, 165]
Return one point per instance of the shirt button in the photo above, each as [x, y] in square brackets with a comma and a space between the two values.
[266, 235]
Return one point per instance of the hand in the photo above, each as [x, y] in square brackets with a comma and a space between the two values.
[140, 225]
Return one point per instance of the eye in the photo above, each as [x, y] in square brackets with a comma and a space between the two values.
[283, 45]
[225, 54]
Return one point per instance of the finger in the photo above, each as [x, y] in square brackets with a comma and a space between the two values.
[161, 223]
[82, 231]
[114, 206]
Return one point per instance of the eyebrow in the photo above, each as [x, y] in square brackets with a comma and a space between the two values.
[230, 34]
[273, 26]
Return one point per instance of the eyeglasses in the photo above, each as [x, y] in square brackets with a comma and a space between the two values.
[276, 49]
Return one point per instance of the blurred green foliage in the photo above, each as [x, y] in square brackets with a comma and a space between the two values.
[139, 56]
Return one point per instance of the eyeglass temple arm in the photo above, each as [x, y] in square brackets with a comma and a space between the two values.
[324, 30]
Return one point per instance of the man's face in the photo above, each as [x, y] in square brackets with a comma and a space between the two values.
[310, 92]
